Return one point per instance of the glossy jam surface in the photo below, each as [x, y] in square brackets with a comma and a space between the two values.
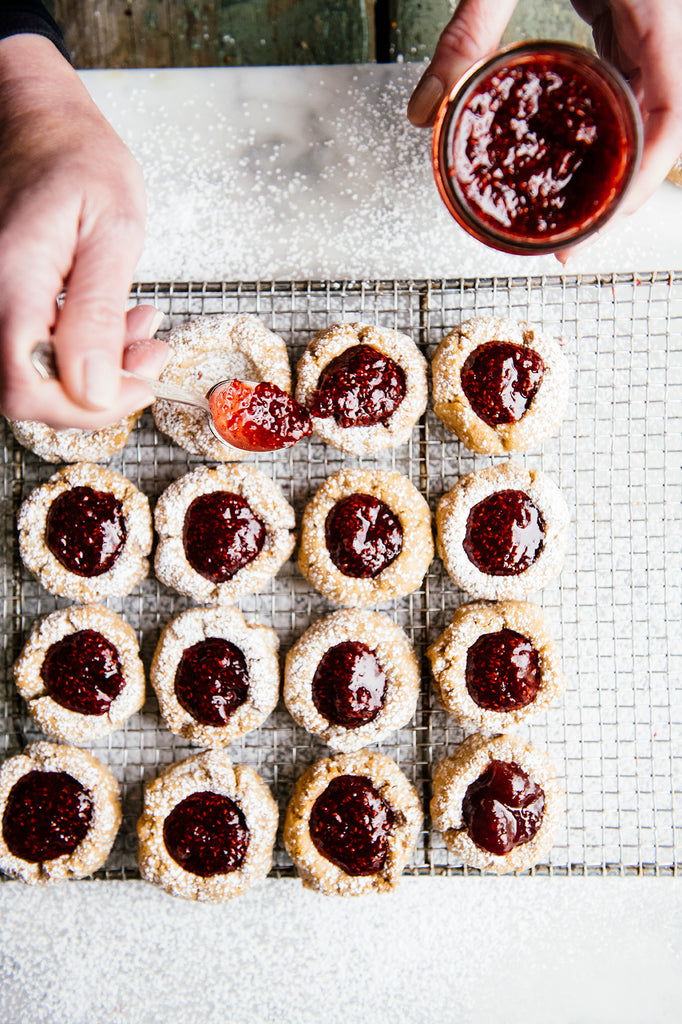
[503, 671]
[349, 685]
[537, 150]
[260, 418]
[501, 380]
[212, 680]
[47, 815]
[350, 824]
[206, 834]
[359, 388]
[503, 808]
[82, 672]
[505, 533]
[363, 536]
[85, 530]
[221, 535]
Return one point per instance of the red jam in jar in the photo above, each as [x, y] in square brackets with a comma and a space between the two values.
[535, 146]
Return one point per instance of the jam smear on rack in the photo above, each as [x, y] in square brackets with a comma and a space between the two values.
[221, 535]
[359, 388]
[363, 536]
[349, 685]
[505, 533]
[212, 680]
[47, 815]
[86, 530]
[258, 417]
[82, 672]
[350, 824]
[501, 380]
[206, 834]
[503, 808]
[503, 671]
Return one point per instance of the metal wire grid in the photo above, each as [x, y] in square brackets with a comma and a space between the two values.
[616, 736]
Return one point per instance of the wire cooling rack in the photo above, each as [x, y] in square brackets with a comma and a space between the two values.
[616, 738]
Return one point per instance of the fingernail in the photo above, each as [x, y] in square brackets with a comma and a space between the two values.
[101, 377]
[156, 322]
[425, 99]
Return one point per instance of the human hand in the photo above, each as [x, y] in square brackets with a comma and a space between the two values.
[71, 213]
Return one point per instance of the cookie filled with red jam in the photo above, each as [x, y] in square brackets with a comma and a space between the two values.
[495, 665]
[215, 675]
[207, 828]
[86, 534]
[364, 386]
[501, 531]
[352, 824]
[497, 803]
[366, 537]
[59, 814]
[351, 679]
[499, 385]
[80, 673]
[223, 532]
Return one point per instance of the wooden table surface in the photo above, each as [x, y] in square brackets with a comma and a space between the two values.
[218, 33]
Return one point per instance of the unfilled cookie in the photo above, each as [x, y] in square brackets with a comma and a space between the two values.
[351, 679]
[73, 445]
[80, 673]
[216, 676]
[207, 828]
[352, 824]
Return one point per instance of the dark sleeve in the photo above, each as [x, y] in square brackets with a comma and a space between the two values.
[29, 16]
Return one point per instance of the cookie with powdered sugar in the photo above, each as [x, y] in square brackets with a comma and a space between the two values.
[73, 445]
[365, 386]
[208, 349]
[501, 531]
[80, 673]
[499, 385]
[366, 537]
[352, 824]
[352, 679]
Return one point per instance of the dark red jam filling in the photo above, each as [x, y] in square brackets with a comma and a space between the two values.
[82, 672]
[86, 530]
[212, 681]
[350, 824]
[501, 380]
[206, 834]
[503, 671]
[263, 418]
[359, 388]
[537, 150]
[363, 536]
[47, 815]
[221, 535]
[503, 808]
[349, 685]
[505, 533]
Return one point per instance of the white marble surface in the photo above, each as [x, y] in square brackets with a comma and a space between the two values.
[298, 173]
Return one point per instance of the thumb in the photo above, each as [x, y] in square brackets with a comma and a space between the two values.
[474, 30]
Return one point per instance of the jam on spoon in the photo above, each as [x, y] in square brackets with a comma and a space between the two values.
[257, 417]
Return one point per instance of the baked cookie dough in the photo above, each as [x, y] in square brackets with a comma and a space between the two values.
[499, 385]
[207, 828]
[216, 677]
[208, 349]
[86, 533]
[351, 679]
[73, 445]
[364, 386]
[223, 532]
[497, 803]
[501, 531]
[352, 824]
[366, 537]
[60, 813]
[495, 665]
[80, 673]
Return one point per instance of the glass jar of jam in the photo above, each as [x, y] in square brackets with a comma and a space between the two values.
[535, 147]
